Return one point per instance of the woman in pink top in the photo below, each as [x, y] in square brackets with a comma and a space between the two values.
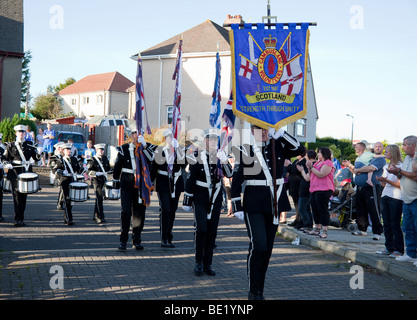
[321, 188]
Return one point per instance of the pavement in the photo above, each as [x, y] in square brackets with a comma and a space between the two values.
[48, 260]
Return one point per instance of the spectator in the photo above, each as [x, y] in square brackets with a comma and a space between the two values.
[321, 188]
[39, 142]
[391, 204]
[408, 183]
[30, 136]
[367, 196]
[294, 181]
[304, 206]
[48, 140]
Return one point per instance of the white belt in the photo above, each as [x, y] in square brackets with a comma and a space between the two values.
[264, 183]
[207, 185]
[126, 170]
[165, 173]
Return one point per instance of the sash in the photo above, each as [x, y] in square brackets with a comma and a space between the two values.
[269, 180]
[211, 186]
[25, 163]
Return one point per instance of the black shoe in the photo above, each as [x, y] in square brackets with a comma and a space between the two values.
[255, 296]
[164, 244]
[209, 271]
[122, 246]
[198, 269]
[70, 222]
[137, 246]
[170, 245]
[19, 223]
[1, 219]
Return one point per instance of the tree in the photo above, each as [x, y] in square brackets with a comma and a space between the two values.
[7, 127]
[25, 77]
[48, 105]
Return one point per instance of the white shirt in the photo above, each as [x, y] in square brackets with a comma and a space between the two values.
[408, 186]
[390, 190]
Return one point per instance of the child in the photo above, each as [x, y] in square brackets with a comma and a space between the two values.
[89, 152]
[366, 158]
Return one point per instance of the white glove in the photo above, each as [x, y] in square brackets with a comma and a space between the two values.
[276, 134]
[221, 155]
[240, 215]
[98, 173]
[186, 208]
[8, 166]
[174, 143]
[142, 141]
[65, 172]
[1, 166]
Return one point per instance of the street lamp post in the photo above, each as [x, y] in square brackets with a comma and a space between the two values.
[351, 135]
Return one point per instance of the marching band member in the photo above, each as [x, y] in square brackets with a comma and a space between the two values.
[133, 209]
[2, 151]
[53, 161]
[254, 168]
[66, 169]
[17, 156]
[203, 192]
[169, 184]
[97, 168]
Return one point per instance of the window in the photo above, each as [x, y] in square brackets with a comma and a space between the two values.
[170, 110]
[86, 100]
[100, 98]
[73, 102]
[301, 127]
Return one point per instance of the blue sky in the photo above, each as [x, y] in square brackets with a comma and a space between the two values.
[362, 52]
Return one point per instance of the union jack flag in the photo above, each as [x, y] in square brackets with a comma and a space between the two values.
[229, 123]
[215, 104]
[141, 114]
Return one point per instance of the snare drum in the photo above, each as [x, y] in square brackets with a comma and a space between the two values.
[78, 191]
[112, 190]
[28, 182]
[6, 184]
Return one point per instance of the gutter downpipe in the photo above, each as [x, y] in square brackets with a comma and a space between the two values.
[160, 91]
[1, 80]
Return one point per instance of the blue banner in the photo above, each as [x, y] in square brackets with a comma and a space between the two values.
[269, 73]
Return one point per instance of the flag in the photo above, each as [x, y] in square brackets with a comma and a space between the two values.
[229, 123]
[215, 103]
[176, 113]
[141, 114]
[142, 175]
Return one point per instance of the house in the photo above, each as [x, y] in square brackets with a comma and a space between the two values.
[11, 54]
[97, 95]
[200, 45]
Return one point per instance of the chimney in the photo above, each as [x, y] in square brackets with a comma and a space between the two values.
[233, 19]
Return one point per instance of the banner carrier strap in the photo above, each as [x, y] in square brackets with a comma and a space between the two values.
[273, 24]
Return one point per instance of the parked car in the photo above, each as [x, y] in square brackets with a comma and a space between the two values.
[114, 121]
[77, 138]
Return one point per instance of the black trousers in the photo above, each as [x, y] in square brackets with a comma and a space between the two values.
[19, 201]
[261, 232]
[132, 211]
[66, 199]
[205, 232]
[169, 207]
[367, 203]
[98, 205]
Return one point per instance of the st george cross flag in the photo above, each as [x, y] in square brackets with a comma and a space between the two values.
[269, 73]
[229, 123]
[142, 175]
[215, 104]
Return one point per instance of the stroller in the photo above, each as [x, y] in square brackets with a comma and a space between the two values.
[342, 207]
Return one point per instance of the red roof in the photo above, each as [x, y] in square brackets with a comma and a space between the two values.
[111, 81]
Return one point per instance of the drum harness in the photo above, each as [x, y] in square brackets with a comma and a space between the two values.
[24, 163]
